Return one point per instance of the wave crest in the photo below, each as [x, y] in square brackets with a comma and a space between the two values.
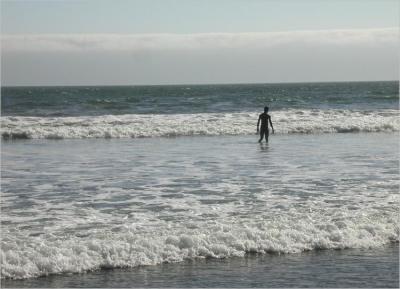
[158, 125]
[46, 254]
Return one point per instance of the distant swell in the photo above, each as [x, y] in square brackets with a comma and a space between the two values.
[168, 125]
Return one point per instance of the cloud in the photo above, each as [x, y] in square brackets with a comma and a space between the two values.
[187, 42]
[109, 59]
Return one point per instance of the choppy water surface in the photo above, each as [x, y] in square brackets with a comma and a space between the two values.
[193, 99]
[78, 205]
[154, 111]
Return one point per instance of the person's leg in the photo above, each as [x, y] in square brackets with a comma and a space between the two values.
[267, 135]
[261, 135]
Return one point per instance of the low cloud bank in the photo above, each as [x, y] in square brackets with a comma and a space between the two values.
[111, 59]
[128, 42]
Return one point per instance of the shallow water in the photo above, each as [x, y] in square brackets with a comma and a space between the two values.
[79, 205]
[304, 121]
[358, 268]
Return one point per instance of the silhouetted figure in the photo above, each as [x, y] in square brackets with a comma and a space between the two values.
[264, 118]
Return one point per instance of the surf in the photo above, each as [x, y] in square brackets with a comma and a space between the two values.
[293, 121]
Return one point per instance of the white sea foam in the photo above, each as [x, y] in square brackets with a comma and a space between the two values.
[76, 206]
[142, 125]
[48, 255]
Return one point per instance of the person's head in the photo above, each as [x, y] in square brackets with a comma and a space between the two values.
[266, 109]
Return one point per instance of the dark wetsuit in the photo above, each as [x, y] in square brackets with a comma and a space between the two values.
[264, 130]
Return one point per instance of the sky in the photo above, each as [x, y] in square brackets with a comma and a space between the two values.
[105, 42]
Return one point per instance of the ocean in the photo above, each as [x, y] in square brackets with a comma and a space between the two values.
[167, 186]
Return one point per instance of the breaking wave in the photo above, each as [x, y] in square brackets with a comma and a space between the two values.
[168, 125]
[47, 254]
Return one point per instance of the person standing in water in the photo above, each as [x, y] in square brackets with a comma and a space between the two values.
[264, 118]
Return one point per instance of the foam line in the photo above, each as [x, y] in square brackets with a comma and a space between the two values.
[158, 125]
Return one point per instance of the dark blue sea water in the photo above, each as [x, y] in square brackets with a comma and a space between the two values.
[188, 99]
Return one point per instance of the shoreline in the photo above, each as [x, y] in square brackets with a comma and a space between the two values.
[374, 267]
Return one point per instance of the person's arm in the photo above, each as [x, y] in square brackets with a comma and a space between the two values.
[270, 122]
[258, 123]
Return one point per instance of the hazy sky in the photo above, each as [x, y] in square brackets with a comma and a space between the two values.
[169, 41]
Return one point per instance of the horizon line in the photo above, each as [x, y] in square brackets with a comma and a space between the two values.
[198, 84]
